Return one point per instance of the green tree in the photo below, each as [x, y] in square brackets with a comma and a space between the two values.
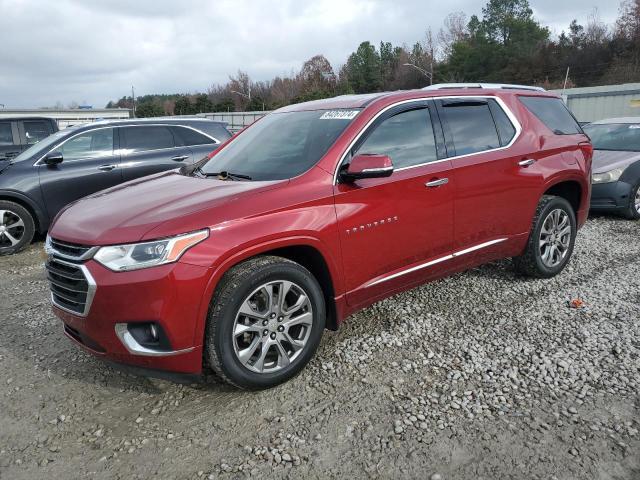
[363, 69]
[149, 109]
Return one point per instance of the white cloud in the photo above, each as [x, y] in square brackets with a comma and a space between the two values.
[94, 50]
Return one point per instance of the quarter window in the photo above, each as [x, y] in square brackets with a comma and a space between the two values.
[506, 130]
[472, 127]
[6, 136]
[187, 136]
[137, 139]
[35, 131]
[407, 138]
[553, 113]
[92, 144]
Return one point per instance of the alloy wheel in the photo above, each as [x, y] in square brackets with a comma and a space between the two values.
[11, 229]
[637, 200]
[555, 238]
[272, 326]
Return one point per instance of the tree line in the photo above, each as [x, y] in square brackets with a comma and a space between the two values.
[505, 44]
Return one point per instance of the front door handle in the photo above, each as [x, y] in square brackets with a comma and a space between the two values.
[527, 162]
[437, 183]
[179, 158]
[106, 168]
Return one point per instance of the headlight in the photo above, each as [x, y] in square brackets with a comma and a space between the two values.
[607, 177]
[149, 254]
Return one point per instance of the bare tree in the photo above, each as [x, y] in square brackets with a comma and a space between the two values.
[454, 30]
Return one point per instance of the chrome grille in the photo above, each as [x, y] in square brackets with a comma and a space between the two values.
[69, 251]
[72, 287]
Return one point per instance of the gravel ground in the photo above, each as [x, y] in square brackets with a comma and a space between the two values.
[483, 375]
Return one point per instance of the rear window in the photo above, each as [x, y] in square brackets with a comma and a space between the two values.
[35, 131]
[6, 135]
[553, 113]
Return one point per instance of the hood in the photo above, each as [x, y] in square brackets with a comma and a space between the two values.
[123, 214]
[606, 160]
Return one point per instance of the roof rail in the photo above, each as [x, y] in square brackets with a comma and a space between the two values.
[504, 86]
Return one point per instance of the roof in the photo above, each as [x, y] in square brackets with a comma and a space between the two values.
[602, 89]
[617, 120]
[154, 120]
[361, 101]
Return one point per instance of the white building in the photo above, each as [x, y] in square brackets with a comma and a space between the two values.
[69, 117]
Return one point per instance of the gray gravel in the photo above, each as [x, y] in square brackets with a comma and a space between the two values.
[481, 375]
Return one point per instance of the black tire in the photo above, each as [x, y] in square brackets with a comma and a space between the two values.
[631, 212]
[530, 263]
[236, 285]
[23, 234]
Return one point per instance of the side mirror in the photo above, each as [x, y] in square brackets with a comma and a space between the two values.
[368, 166]
[53, 158]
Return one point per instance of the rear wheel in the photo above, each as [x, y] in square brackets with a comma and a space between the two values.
[632, 212]
[16, 227]
[551, 240]
[265, 322]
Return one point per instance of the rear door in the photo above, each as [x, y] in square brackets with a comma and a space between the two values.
[149, 149]
[390, 228]
[491, 188]
[90, 164]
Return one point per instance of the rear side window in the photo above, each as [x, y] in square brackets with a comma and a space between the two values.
[553, 113]
[35, 131]
[138, 139]
[506, 130]
[407, 138]
[6, 136]
[188, 136]
[472, 127]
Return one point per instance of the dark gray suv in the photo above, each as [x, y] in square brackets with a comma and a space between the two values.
[82, 160]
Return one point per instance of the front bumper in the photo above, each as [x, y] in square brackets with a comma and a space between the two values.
[610, 196]
[168, 295]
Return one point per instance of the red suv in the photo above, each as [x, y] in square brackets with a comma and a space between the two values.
[239, 262]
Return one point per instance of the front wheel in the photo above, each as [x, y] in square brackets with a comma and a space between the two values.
[551, 240]
[632, 212]
[16, 227]
[265, 322]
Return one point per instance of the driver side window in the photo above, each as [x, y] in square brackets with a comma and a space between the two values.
[407, 138]
[96, 143]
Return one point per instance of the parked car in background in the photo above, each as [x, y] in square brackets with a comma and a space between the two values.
[616, 166]
[18, 134]
[313, 212]
[82, 160]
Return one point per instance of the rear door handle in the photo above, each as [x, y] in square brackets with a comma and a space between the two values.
[527, 162]
[106, 168]
[179, 158]
[437, 183]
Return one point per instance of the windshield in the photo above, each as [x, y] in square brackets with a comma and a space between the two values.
[43, 145]
[615, 136]
[281, 145]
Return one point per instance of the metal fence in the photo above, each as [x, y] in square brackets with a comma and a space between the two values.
[236, 121]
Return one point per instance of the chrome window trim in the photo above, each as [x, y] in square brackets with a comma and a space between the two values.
[113, 154]
[434, 262]
[91, 290]
[499, 101]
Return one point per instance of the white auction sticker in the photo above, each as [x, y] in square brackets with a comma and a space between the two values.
[339, 115]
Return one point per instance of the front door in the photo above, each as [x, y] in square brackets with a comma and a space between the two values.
[392, 228]
[90, 164]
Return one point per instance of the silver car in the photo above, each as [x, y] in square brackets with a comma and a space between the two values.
[616, 165]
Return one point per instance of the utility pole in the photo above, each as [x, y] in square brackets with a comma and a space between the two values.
[566, 79]
[133, 99]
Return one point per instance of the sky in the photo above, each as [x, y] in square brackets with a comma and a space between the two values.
[93, 51]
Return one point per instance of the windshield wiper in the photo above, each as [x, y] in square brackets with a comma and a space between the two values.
[223, 175]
